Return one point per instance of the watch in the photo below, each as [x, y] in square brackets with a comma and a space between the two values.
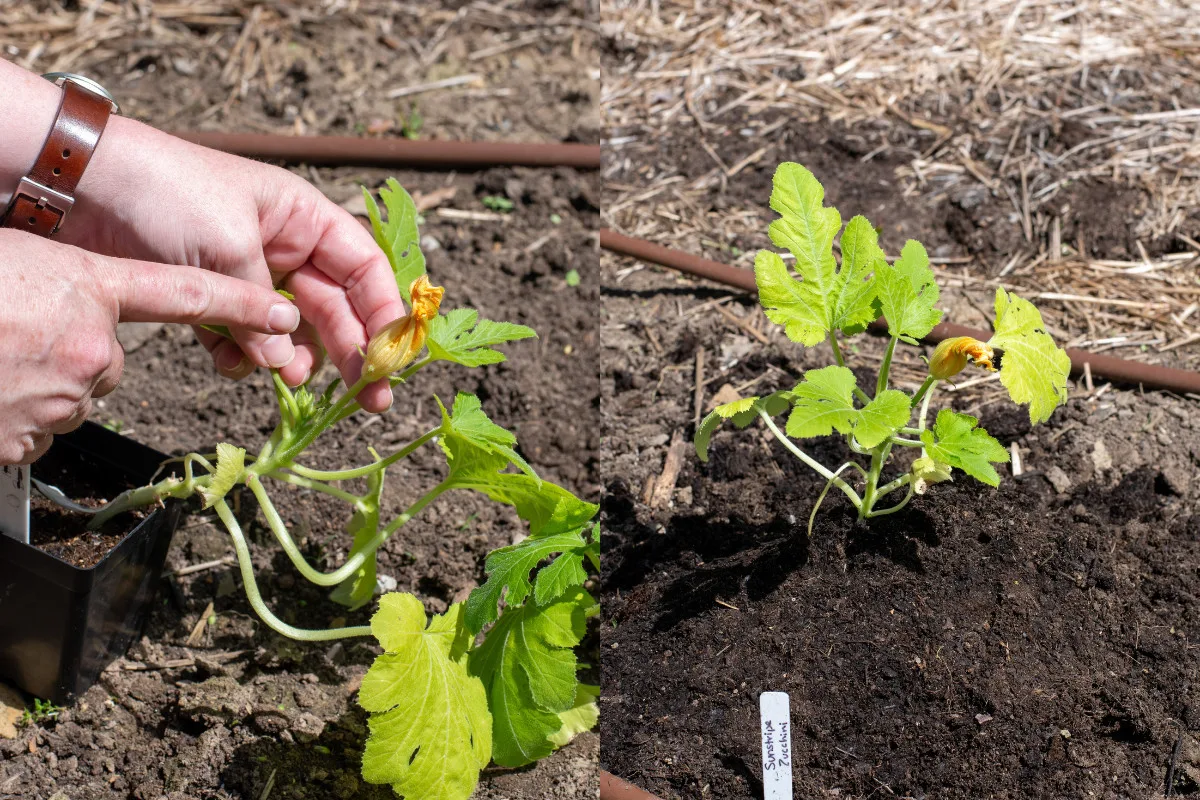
[46, 194]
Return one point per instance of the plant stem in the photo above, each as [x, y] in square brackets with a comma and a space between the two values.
[362, 472]
[255, 598]
[886, 367]
[868, 498]
[903, 480]
[275, 522]
[287, 401]
[925, 405]
[291, 449]
[816, 465]
[411, 512]
[355, 561]
[319, 486]
[841, 362]
[896, 507]
[905, 442]
[821, 498]
[923, 391]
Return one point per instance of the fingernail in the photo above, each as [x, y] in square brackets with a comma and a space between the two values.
[230, 359]
[283, 318]
[278, 351]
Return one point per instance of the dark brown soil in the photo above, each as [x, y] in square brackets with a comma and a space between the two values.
[64, 533]
[1020, 642]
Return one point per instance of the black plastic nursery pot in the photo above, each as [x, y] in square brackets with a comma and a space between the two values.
[61, 624]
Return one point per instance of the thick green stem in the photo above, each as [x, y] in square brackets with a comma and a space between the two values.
[362, 472]
[811, 462]
[292, 448]
[868, 498]
[896, 507]
[886, 367]
[256, 602]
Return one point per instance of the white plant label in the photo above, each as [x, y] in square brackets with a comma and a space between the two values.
[14, 502]
[776, 745]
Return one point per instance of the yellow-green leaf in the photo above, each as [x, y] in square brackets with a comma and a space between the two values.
[431, 731]
[231, 464]
[1033, 368]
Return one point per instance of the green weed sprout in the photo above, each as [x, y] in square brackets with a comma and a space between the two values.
[443, 701]
[832, 299]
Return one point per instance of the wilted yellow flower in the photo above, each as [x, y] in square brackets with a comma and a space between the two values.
[399, 342]
[950, 357]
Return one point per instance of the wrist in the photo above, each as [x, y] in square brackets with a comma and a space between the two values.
[24, 123]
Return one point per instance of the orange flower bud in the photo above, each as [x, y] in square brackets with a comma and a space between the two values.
[399, 342]
[950, 357]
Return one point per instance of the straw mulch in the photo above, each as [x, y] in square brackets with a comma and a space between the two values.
[1007, 102]
[503, 70]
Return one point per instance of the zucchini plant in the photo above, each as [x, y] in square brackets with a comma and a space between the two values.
[831, 300]
[494, 679]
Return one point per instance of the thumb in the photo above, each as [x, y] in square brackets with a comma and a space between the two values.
[147, 292]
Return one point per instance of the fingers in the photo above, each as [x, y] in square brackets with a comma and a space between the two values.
[227, 357]
[147, 292]
[327, 306]
[313, 234]
[309, 356]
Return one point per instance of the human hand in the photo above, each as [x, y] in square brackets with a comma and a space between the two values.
[58, 345]
[150, 196]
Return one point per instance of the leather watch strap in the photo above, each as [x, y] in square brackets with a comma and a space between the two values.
[45, 195]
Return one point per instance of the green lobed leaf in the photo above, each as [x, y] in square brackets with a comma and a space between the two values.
[546, 507]
[510, 567]
[823, 403]
[430, 729]
[882, 417]
[469, 421]
[1033, 368]
[462, 338]
[826, 298]
[741, 413]
[527, 662]
[908, 292]
[581, 717]
[955, 440]
[398, 236]
[231, 463]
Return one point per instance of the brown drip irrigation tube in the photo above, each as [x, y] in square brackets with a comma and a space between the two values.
[353, 151]
[613, 788]
[1118, 370]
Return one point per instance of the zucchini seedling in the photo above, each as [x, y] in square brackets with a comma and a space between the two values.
[832, 299]
[443, 702]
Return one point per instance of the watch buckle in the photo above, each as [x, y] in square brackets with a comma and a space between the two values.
[45, 197]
